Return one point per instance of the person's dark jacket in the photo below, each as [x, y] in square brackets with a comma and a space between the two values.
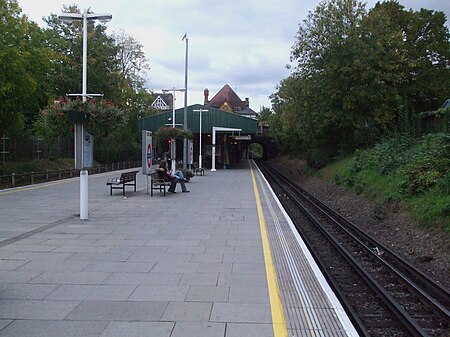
[163, 174]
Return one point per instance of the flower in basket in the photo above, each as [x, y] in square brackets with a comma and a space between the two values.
[165, 133]
[76, 110]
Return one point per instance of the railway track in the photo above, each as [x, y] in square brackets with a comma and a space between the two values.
[382, 293]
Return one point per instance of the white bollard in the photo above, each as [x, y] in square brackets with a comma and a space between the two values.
[84, 195]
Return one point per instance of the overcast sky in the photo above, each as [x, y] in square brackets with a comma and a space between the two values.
[243, 43]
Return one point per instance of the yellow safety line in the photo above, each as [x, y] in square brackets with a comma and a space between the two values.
[276, 308]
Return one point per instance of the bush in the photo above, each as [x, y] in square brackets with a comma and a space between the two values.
[429, 164]
[318, 158]
[415, 172]
[385, 157]
[119, 146]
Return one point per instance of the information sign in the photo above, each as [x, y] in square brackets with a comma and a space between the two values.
[147, 151]
[88, 149]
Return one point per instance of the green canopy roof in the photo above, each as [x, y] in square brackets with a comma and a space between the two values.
[210, 118]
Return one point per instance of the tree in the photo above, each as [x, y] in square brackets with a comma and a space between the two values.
[325, 29]
[23, 69]
[321, 82]
[357, 75]
[421, 54]
[132, 62]
[264, 116]
[66, 41]
[132, 66]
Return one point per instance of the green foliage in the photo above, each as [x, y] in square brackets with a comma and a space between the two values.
[413, 171]
[318, 158]
[119, 146]
[264, 116]
[39, 65]
[431, 209]
[166, 133]
[385, 157]
[429, 163]
[66, 41]
[36, 166]
[23, 69]
[360, 76]
[53, 123]
[131, 61]
[99, 116]
[435, 121]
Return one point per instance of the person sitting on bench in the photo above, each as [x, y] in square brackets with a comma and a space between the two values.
[167, 175]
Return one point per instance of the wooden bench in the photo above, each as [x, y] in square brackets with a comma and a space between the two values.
[125, 179]
[158, 184]
[197, 170]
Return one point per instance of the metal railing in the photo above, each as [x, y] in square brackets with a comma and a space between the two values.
[21, 179]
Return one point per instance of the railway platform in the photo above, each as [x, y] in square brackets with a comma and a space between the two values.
[222, 260]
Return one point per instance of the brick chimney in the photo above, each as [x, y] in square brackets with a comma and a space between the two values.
[206, 94]
[247, 102]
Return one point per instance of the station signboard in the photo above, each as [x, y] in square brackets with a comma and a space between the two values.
[147, 152]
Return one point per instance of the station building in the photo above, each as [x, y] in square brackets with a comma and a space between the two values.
[224, 110]
[229, 145]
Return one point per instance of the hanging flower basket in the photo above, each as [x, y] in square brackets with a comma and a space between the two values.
[165, 133]
[76, 110]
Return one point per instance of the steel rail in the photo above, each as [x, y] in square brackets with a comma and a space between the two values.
[398, 265]
[348, 307]
[401, 314]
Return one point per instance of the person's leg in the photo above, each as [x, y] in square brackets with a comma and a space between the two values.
[183, 185]
[179, 174]
[173, 185]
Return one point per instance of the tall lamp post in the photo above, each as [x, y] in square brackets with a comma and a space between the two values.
[172, 142]
[200, 137]
[185, 103]
[79, 129]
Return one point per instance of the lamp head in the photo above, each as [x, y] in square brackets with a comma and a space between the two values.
[104, 18]
[69, 17]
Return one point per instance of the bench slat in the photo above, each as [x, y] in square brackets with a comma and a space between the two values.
[125, 179]
[158, 184]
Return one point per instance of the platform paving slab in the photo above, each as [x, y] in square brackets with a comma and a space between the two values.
[118, 311]
[140, 266]
[249, 330]
[52, 328]
[138, 329]
[187, 312]
[197, 329]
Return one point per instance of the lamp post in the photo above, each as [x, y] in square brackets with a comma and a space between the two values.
[200, 137]
[185, 102]
[172, 142]
[79, 129]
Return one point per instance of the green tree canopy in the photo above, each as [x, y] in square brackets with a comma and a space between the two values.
[356, 74]
[24, 65]
[66, 41]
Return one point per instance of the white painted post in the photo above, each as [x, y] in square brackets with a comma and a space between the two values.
[84, 193]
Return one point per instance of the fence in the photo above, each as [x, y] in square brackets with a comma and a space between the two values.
[20, 179]
[26, 147]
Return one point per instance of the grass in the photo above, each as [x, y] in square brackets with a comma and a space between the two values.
[430, 208]
[36, 166]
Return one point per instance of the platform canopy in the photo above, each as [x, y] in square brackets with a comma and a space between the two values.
[212, 117]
